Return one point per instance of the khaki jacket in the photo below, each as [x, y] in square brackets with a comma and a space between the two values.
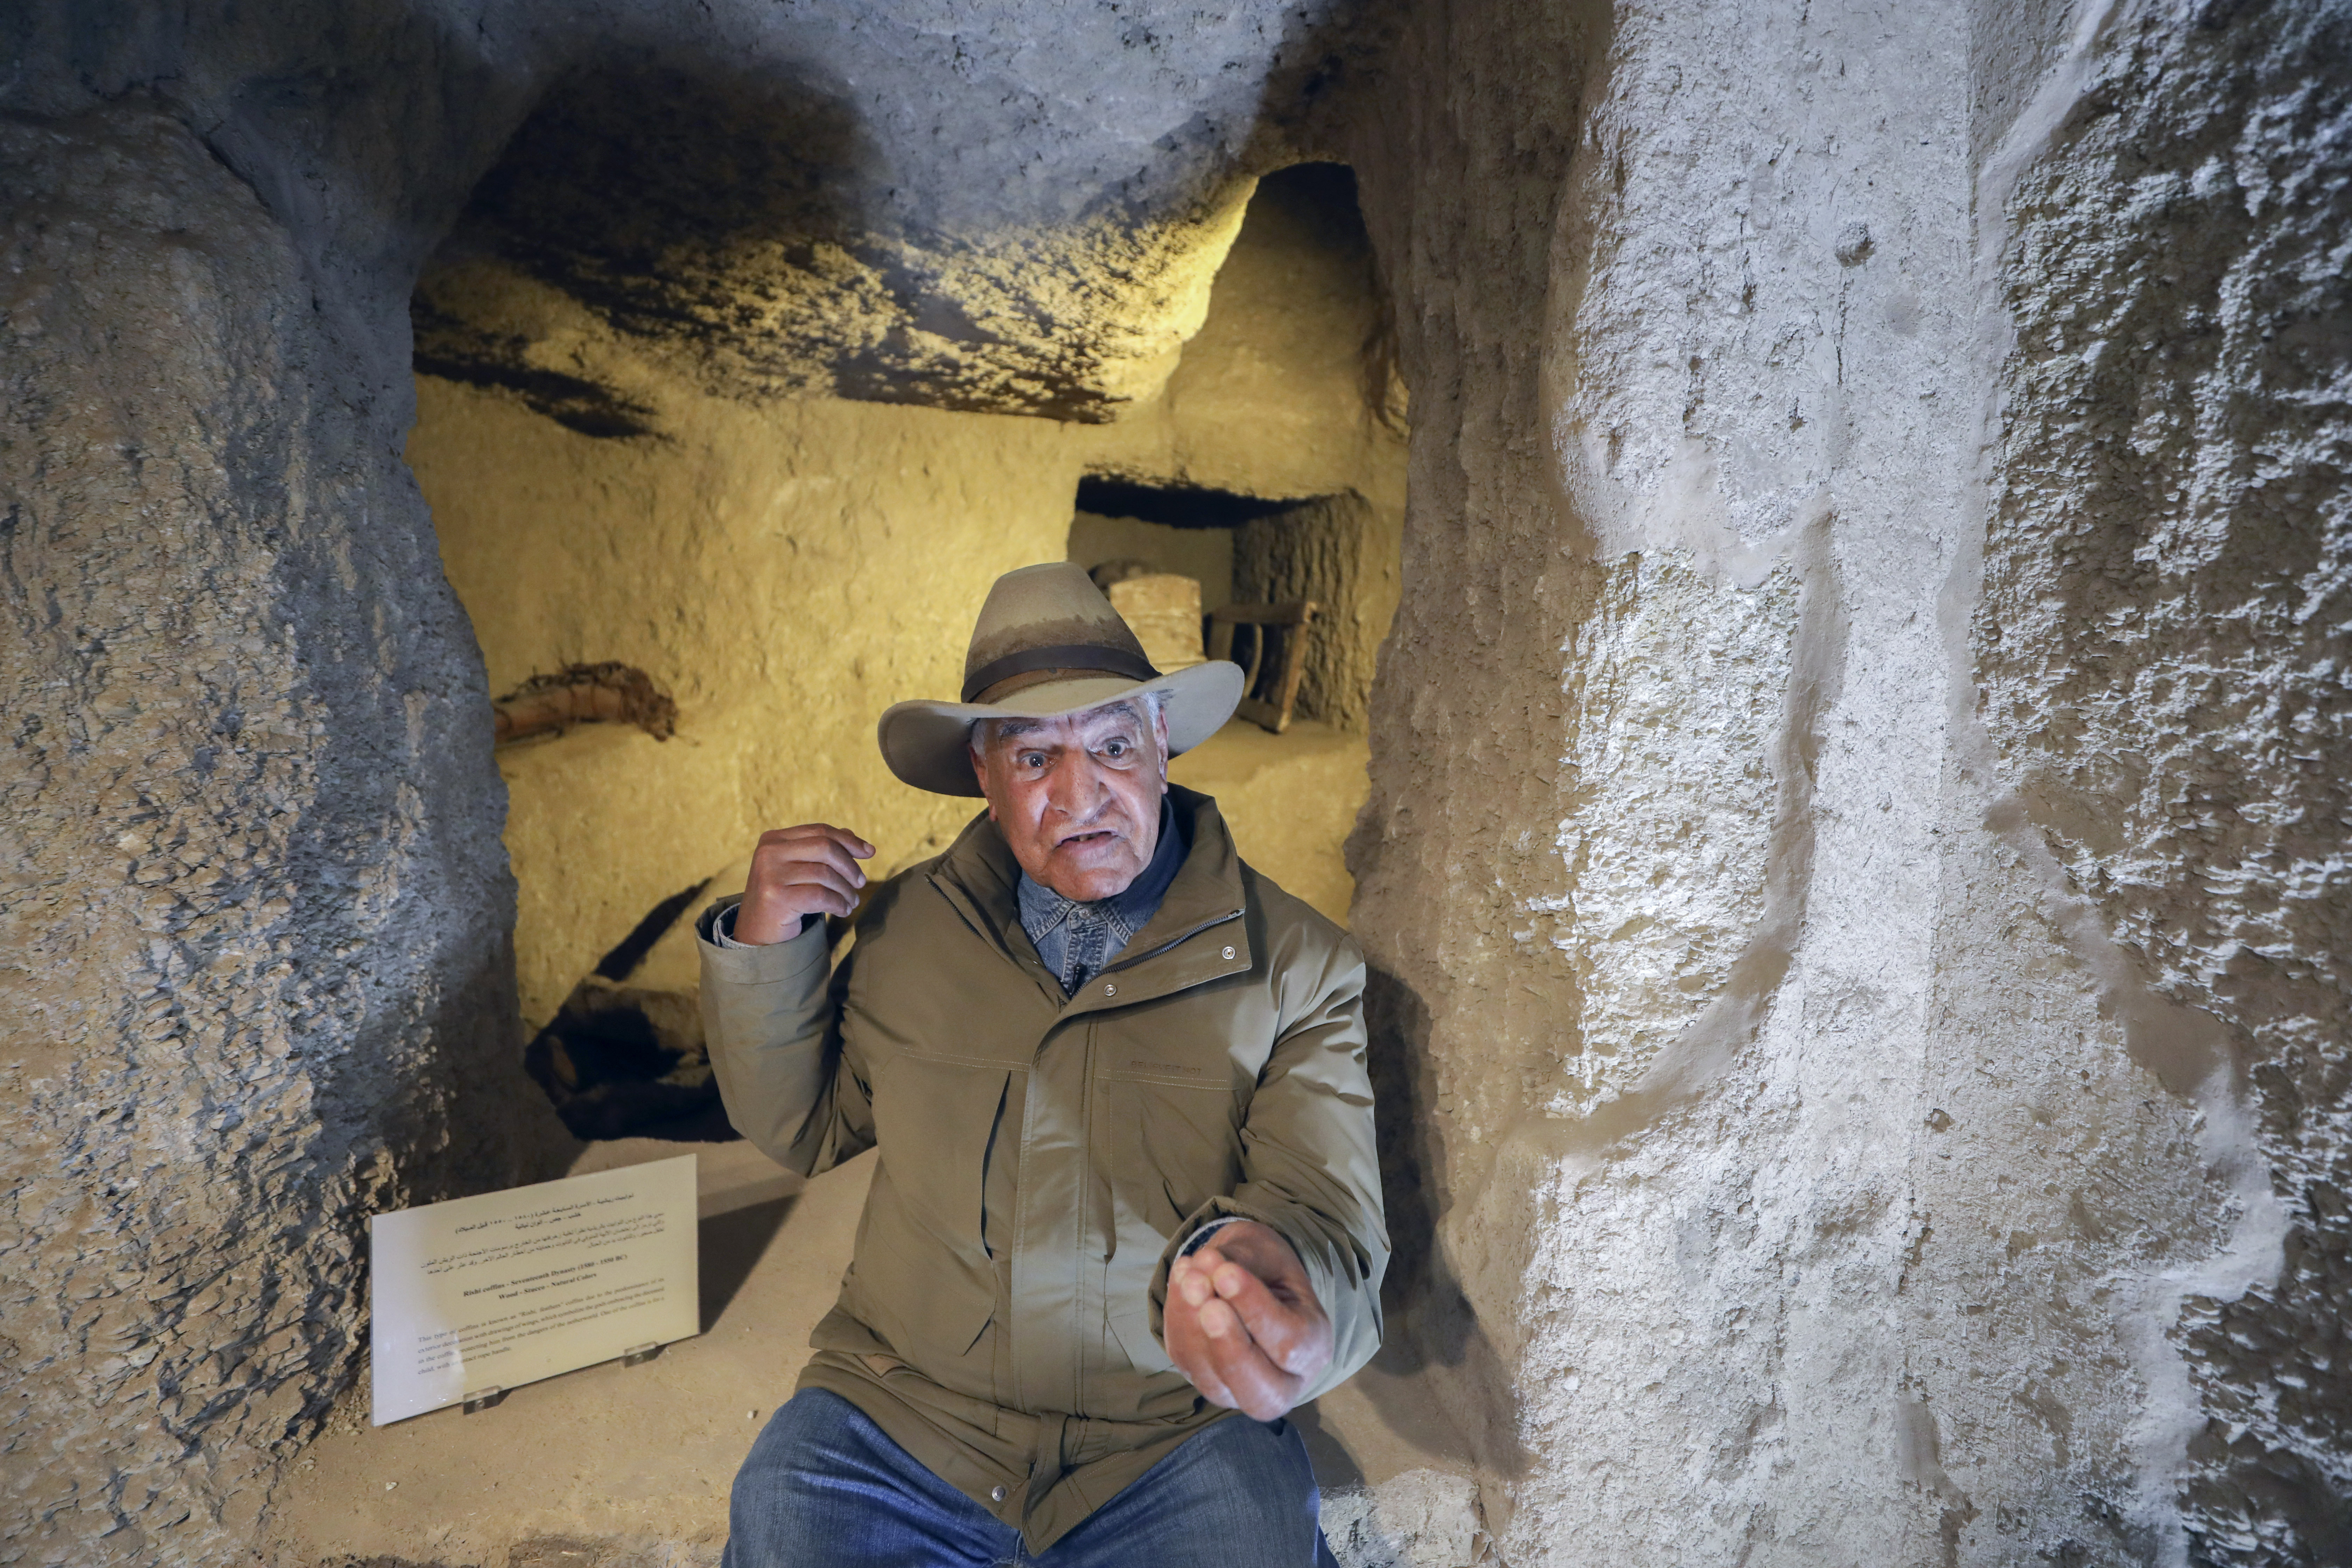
[1043, 1157]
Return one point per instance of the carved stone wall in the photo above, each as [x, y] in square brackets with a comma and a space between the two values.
[1341, 552]
[2167, 596]
[1855, 870]
[254, 912]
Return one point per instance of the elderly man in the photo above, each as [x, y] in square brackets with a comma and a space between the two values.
[1127, 1212]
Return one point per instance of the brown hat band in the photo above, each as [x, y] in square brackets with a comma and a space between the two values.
[1070, 656]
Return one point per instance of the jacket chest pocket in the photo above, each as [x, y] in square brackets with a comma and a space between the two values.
[938, 1117]
[1174, 1144]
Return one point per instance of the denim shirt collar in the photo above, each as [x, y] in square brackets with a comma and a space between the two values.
[1077, 938]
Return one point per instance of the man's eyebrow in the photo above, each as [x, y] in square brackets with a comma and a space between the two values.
[1122, 708]
[1008, 728]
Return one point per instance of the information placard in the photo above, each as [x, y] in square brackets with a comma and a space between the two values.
[505, 1289]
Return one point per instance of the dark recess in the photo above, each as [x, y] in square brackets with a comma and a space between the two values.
[1177, 506]
[612, 1067]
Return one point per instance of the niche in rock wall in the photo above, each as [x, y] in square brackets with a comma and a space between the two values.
[1283, 588]
[1183, 528]
[1165, 556]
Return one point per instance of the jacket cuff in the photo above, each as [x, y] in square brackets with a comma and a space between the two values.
[1321, 1278]
[742, 964]
[1200, 1239]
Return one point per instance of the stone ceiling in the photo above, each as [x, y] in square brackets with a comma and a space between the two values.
[969, 207]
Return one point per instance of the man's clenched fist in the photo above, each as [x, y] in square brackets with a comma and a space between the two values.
[811, 869]
[1243, 1323]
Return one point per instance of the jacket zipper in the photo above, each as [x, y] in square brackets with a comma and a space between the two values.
[1123, 959]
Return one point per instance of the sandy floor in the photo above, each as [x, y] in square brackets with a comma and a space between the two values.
[1290, 800]
[618, 1464]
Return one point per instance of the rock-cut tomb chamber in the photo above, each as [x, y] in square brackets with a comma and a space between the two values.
[1834, 533]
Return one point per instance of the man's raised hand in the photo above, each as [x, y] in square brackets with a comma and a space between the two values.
[811, 869]
[1243, 1323]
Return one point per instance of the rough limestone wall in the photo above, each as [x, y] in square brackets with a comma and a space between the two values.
[254, 978]
[2162, 639]
[1467, 714]
[785, 572]
[1789, 1162]
[1271, 397]
[995, 208]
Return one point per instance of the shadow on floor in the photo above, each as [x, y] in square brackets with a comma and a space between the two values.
[1334, 1465]
[1437, 1380]
[732, 1244]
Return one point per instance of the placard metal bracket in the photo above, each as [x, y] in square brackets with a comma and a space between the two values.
[483, 1398]
[637, 1355]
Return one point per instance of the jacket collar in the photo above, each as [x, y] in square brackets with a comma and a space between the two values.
[1207, 887]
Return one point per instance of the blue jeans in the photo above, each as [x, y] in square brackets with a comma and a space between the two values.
[822, 1487]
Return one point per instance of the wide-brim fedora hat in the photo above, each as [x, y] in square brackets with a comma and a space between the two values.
[1047, 643]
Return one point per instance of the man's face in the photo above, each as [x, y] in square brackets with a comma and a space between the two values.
[1078, 797]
